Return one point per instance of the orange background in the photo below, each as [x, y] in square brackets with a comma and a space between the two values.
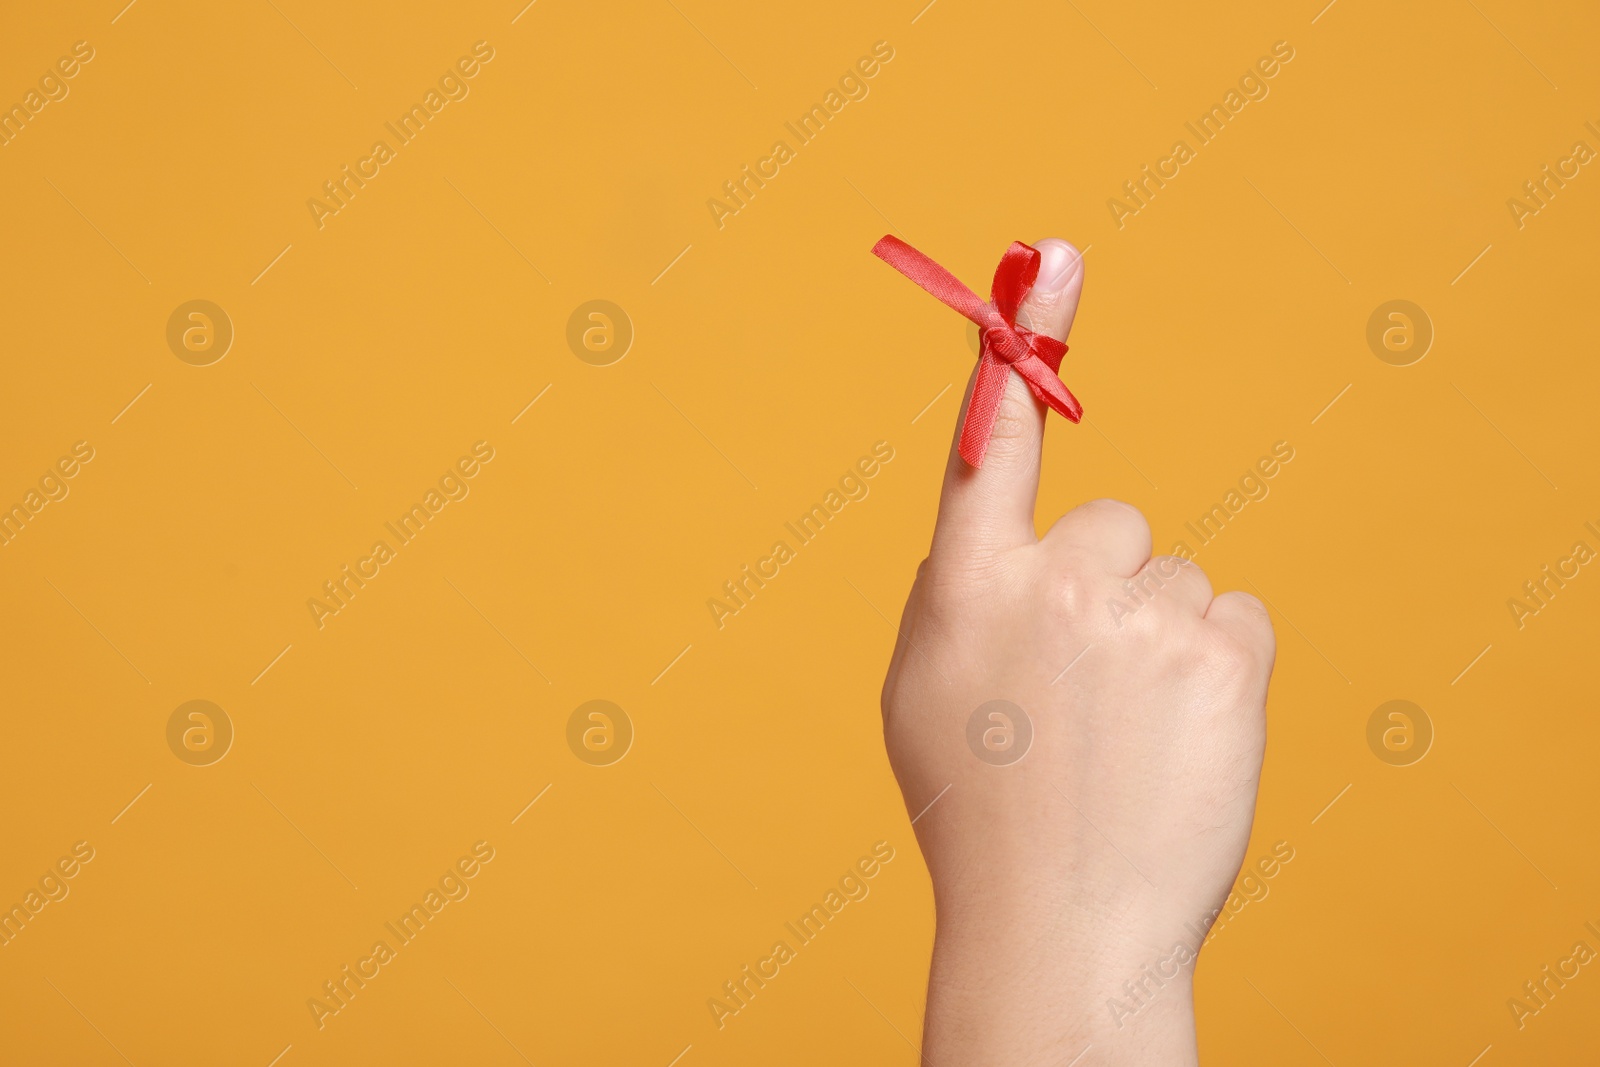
[769, 354]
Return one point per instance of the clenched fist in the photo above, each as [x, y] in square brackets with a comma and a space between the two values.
[1091, 721]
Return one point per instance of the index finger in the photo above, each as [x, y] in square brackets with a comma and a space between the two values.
[991, 508]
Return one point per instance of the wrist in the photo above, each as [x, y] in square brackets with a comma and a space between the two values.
[1024, 982]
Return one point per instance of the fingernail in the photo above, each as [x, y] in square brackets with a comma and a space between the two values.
[1059, 264]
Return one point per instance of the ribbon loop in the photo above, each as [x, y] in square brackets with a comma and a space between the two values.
[1003, 345]
[1015, 275]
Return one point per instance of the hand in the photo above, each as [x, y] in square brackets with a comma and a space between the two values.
[1114, 838]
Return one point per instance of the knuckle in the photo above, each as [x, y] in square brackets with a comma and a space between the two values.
[1265, 641]
[1133, 614]
[1149, 626]
[1016, 422]
[1144, 591]
[934, 588]
[1185, 571]
[1230, 650]
[1232, 657]
[1073, 595]
[1118, 514]
[1249, 635]
[1175, 568]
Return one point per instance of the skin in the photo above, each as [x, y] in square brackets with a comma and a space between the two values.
[1115, 838]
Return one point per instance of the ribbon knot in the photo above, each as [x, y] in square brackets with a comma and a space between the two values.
[1003, 345]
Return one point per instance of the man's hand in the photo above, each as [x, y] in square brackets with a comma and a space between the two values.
[1094, 822]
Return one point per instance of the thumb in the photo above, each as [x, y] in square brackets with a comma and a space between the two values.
[991, 508]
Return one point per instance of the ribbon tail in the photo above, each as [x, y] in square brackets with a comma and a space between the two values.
[1050, 389]
[982, 410]
[944, 286]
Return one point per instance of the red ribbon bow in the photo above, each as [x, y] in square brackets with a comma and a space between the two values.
[1004, 345]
